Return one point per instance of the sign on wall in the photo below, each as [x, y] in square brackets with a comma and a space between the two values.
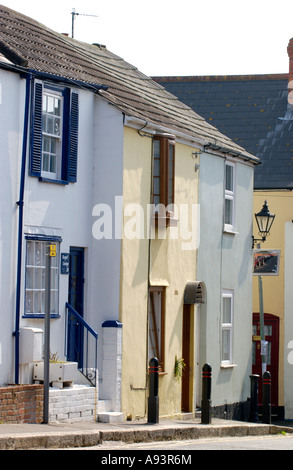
[65, 263]
[266, 262]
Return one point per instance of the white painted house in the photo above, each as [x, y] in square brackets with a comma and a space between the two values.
[53, 132]
[225, 267]
[76, 121]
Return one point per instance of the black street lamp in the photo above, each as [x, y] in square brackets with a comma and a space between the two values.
[264, 220]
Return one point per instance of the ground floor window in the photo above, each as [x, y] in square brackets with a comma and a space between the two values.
[227, 327]
[157, 324]
[35, 277]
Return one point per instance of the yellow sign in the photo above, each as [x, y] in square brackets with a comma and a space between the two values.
[52, 250]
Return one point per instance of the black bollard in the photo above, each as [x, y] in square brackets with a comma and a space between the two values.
[206, 394]
[253, 412]
[153, 401]
[266, 400]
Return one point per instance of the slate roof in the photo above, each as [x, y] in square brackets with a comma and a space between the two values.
[253, 111]
[30, 45]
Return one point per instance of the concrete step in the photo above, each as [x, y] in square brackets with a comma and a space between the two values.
[111, 417]
[104, 406]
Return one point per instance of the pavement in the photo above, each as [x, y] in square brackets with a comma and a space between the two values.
[88, 434]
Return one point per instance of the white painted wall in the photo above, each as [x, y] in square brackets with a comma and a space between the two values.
[225, 262]
[104, 271]
[11, 121]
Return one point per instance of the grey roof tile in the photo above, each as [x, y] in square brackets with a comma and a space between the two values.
[253, 111]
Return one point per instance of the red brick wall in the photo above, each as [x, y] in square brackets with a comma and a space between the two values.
[21, 404]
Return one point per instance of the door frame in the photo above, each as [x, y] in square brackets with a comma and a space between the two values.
[187, 381]
[75, 337]
[273, 368]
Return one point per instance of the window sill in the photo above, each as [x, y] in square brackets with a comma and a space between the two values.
[38, 316]
[229, 231]
[227, 366]
[164, 221]
[49, 180]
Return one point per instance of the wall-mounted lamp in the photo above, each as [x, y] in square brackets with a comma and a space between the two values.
[264, 220]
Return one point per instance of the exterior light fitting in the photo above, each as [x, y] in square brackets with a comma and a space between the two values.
[264, 220]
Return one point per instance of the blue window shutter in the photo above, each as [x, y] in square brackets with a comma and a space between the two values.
[73, 138]
[65, 137]
[36, 132]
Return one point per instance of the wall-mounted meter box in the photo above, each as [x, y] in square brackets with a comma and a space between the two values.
[30, 345]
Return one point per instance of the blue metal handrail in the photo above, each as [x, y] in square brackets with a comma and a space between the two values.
[90, 372]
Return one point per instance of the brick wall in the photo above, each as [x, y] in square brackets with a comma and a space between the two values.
[21, 404]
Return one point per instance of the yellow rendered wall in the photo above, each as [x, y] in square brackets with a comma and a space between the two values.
[167, 265]
[280, 204]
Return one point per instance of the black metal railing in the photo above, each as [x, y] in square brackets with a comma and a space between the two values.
[81, 344]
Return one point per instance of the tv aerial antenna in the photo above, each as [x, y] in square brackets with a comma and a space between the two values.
[74, 14]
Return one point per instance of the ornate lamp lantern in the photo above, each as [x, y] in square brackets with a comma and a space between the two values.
[264, 220]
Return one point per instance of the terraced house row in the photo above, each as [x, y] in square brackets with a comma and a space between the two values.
[148, 210]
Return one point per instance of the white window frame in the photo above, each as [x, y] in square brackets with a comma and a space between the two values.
[230, 195]
[35, 278]
[227, 329]
[52, 137]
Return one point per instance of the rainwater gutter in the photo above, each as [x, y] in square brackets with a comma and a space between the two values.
[233, 153]
[20, 204]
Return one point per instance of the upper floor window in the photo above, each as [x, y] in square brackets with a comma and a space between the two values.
[229, 212]
[54, 134]
[163, 170]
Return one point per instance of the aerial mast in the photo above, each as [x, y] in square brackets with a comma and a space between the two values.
[74, 14]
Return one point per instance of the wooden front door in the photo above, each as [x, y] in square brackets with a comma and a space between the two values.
[271, 332]
[186, 392]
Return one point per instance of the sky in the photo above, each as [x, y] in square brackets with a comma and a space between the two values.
[178, 38]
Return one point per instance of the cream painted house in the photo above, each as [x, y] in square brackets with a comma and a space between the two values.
[103, 163]
[154, 272]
